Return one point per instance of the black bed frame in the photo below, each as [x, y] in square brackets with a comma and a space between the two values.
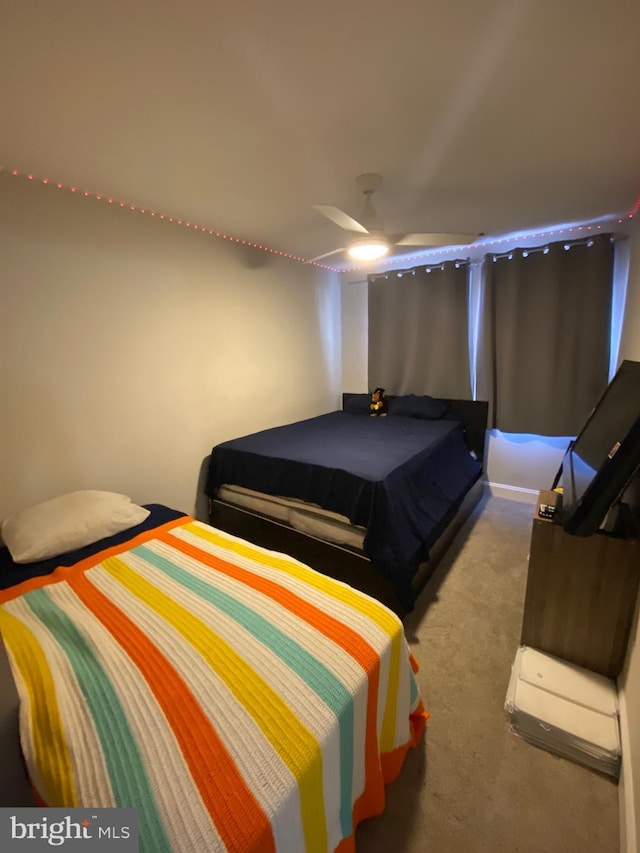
[350, 564]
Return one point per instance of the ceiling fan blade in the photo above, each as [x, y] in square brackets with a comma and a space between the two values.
[326, 255]
[437, 239]
[340, 218]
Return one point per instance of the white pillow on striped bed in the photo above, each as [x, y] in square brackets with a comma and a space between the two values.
[67, 522]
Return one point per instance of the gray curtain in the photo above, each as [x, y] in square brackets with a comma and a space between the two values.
[418, 331]
[545, 335]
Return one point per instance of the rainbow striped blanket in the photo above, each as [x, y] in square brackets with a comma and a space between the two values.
[240, 700]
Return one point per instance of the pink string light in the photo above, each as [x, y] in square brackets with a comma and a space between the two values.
[635, 208]
[210, 231]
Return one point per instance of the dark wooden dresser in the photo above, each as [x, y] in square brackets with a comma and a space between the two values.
[581, 594]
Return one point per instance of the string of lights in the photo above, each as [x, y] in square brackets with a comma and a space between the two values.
[524, 253]
[556, 233]
[457, 263]
[212, 232]
[390, 262]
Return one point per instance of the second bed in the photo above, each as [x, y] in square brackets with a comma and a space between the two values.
[345, 489]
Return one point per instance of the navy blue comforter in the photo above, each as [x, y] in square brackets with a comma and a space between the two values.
[401, 478]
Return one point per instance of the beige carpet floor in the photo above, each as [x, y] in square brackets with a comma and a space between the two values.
[472, 785]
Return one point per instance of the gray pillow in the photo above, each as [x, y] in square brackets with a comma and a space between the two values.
[415, 406]
[356, 404]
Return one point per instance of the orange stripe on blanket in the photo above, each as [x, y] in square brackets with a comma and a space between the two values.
[237, 815]
[63, 573]
[353, 643]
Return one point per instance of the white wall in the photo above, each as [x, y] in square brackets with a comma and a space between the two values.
[130, 346]
[355, 336]
[518, 466]
[629, 682]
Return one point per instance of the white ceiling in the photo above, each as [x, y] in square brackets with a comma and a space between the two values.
[487, 116]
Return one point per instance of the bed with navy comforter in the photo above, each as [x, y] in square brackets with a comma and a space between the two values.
[401, 477]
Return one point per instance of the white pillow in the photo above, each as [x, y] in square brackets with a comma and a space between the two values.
[68, 522]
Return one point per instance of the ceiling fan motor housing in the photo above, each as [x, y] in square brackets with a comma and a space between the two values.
[369, 182]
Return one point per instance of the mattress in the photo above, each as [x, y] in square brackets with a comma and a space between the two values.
[305, 517]
[238, 699]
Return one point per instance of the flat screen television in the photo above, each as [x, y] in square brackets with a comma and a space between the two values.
[602, 465]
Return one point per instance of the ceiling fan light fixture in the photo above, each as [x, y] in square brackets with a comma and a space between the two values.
[369, 248]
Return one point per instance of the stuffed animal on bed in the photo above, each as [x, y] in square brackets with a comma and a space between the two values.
[378, 404]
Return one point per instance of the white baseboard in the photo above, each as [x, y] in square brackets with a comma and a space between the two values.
[513, 493]
[626, 800]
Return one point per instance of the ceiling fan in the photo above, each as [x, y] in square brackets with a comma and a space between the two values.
[368, 238]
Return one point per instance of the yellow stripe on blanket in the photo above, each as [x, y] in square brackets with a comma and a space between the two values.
[294, 743]
[51, 754]
[368, 607]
